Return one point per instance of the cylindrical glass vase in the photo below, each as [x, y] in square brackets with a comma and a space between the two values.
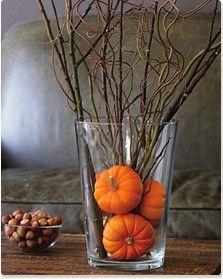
[126, 172]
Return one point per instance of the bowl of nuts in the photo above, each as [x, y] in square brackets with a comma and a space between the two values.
[32, 231]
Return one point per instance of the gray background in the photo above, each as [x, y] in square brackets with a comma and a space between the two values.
[15, 11]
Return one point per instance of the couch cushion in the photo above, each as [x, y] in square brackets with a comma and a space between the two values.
[196, 189]
[45, 186]
[194, 210]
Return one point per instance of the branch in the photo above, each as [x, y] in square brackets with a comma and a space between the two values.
[188, 90]
[54, 45]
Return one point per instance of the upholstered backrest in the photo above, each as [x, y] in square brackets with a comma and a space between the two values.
[38, 125]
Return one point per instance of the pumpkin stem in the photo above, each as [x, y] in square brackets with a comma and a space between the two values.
[129, 240]
[114, 186]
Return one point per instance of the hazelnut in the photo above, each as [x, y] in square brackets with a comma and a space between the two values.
[9, 231]
[42, 214]
[43, 222]
[57, 220]
[19, 217]
[50, 221]
[31, 243]
[22, 244]
[21, 231]
[27, 216]
[18, 211]
[35, 218]
[43, 240]
[34, 225]
[5, 219]
[46, 232]
[25, 222]
[12, 222]
[30, 235]
[16, 237]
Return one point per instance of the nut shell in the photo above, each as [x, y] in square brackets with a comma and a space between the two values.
[16, 237]
[57, 220]
[19, 217]
[31, 243]
[21, 231]
[12, 222]
[42, 214]
[30, 235]
[27, 216]
[18, 211]
[43, 222]
[47, 232]
[34, 224]
[50, 222]
[25, 222]
[35, 218]
[9, 231]
[6, 219]
[22, 244]
[43, 240]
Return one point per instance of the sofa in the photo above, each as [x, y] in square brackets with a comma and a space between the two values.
[39, 154]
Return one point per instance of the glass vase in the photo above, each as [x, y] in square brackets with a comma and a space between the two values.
[126, 172]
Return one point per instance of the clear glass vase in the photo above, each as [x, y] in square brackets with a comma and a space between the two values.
[126, 172]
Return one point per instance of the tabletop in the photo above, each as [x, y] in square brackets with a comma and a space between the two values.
[68, 257]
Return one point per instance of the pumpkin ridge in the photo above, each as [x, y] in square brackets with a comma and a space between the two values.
[137, 232]
[118, 173]
[134, 225]
[126, 177]
[149, 234]
[139, 254]
[133, 246]
[131, 253]
[123, 203]
[101, 191]
[112, 247]
[112, 239]
[104, 197]
[115, 195]
[141, 245]
[126, 226]
[152, 239]
[123, 247]
[115, 230]
[128, 189]
[126, 173]
[131, 184]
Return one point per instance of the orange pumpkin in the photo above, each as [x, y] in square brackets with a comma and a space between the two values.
[118, 190]
[128, 236]
[152, 204]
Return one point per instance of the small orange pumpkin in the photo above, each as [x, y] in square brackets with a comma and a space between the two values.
[152, 204]
[128, 236]
[118, 189]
